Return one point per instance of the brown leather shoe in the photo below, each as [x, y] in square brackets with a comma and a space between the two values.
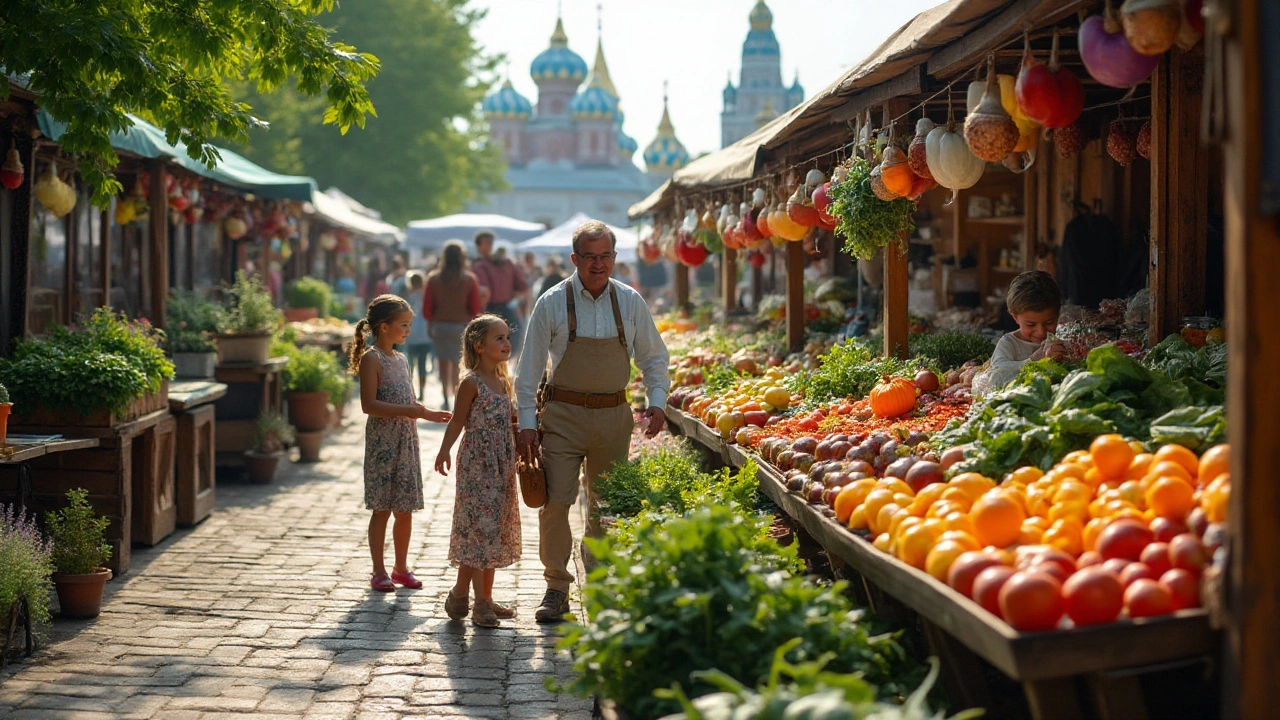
[553, 608]
[456, 607]
[482, 615]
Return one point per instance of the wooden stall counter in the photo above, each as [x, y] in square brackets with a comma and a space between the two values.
[191, 402]
[252, 388]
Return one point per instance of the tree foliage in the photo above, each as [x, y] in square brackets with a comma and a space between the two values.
[425, 153]
[170, 61]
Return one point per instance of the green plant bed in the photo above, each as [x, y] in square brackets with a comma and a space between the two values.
[252, 310]
[309, 292]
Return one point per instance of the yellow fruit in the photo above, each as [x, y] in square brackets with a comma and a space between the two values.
[882, 542]
[1179, 454]
[941, 557]
[1171, 497]
[997, 519]
[778, 397]
[1111, 455]
[858, 519]
[1025, 475]
[914, 546]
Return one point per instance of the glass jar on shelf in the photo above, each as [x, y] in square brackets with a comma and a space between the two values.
[1196, 329]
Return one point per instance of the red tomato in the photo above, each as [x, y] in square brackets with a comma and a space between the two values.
[1186, 552]
[1183, 587]
[1137, 571]
[966, 567]
[1093, 596]
[1156, 556]
[1165, 529]
[986, 587]
[1115, 566]
[1088, 558]
[845, 409]
[1032, 601]
[1055, 556]
[1124, 538]
[1050, 568]
[1197, 521]
[1147, 598]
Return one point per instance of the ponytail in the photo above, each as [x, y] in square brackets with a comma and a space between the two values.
[357, 347]
[382, 309]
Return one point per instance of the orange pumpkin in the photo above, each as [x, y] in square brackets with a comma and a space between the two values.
[896, 173]
[893, 397]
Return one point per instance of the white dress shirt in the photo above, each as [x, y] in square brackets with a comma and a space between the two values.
[547, 334]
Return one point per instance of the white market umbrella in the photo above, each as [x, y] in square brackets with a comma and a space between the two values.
[559, 241]
[433, 234]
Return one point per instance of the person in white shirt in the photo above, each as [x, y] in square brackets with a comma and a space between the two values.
[590, 328]
[1034, 301]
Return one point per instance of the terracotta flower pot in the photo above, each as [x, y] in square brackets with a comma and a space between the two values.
[301, 314]
[80, 596]
[309, 445]
[309, 411]
[4, 421]
[262, 466]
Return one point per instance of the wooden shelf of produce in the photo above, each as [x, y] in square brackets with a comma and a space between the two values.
[1108, 658]
[985, 237]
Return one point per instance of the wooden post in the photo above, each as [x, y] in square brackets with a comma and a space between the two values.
[20, 248]
[1252, 668]
[795, 296]
[682, 284]
[1179, 192]
[159, 244]
[894, 319]
[729, 280]
[105, 250]
[757, 286]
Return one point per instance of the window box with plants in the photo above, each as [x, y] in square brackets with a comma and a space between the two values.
[307, 298]
[190, 320]
[80, 550]
[271, 435]
[106, 372]
[245, 332]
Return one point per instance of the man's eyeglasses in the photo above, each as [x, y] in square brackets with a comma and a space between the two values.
[593, 259]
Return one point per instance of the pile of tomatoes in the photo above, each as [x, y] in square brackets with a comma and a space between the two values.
[1109, 532]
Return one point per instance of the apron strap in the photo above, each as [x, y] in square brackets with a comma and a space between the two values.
[573, 313]
[617, 315]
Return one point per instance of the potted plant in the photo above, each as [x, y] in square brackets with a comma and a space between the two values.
[79, 551]
[272, 434]
[308, 377]
[307, 298]
[26, 556]
[5, 407]
[340, 387]
[245, 331]
[190, 319]
[107, 371]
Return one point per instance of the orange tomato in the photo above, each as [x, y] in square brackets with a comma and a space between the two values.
[1161, 468]
[876, 499]
[1025, 475]
[1214, 462]
[1171, 497]
[1215, 498]
[972, 484]
[959, 522]
[881, 542]
[1181, 455]
[958, 496]
[926, 498]
[883, 518]
[896, 486]
[1068, 469]
[858, 519]
[851, 496]
[963, 538]
[914, 546]
[997, 519]
[941, 557]
[1073, 491]
[1111, 455]
[1066, 536]
[1072, 508]
[1089, 536]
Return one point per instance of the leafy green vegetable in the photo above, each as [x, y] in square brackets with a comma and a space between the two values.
[653, 480]
[868, 223]
[1179, 360]
[949, 350]
[847, 370]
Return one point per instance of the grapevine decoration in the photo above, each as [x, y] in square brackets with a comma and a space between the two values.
[867, 223]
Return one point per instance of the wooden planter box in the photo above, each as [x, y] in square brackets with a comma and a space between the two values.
[43, 417]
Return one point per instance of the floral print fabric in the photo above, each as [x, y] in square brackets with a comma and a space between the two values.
[486, 511]
[392, 466]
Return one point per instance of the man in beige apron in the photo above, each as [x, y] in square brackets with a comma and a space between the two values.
[590, 328]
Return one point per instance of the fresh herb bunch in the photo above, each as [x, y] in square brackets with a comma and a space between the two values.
[252, 309]
[272, 433]
[705, 591]
[106, 363]
[652, 480]
[309, 292]
[190, 341]
[79, 535]
[26, 555]
[187, 310]
[1178, 359]
[310, 369]
[949, 350]
[847, 370]
[719, 377]
[867, 223]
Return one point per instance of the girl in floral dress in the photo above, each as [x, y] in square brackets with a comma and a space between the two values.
[392, 469]
[486, 512]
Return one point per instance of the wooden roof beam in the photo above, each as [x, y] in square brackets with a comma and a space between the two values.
[1008, 25]
[908, 83]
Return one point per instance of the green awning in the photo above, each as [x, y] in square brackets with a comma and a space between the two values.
[148, 141]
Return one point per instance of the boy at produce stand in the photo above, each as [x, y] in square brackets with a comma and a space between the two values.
[1034, 302]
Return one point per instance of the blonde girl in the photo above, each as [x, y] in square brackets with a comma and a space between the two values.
[392, 469]
[486, 512]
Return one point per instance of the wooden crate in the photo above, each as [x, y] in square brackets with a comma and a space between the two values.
[194, 463]
[40, 416]
[155, 508]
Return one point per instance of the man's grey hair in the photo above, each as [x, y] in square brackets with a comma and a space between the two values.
[593, 230]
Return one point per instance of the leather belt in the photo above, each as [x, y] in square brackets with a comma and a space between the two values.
[593, 401]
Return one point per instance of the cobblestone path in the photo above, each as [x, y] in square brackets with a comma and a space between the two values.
[264, 610]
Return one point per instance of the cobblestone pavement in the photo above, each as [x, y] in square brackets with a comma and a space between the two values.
[264, 609]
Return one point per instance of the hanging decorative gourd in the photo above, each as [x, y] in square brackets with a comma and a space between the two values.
[757, 198]
[800, 209]
[650, 250]
[921, 185]
[1020, 161]
[822, 197]
[892, 397]
[1191, 28]
[762, 222]
[989, 129]
[878, 187]
[1107, 54]
[722, 219]
[756, 259]
[916, 155]
[839, 175]
[690, 252]
[951, 162]
[55, 195]
[711, 240]
[124, 211]
[690, 223]
[896, 173]
[1144, 140]
[783, 226]
[749, 225]
[1049, 94]
[1151, 25]
[708, 221]
[11, 174]
[813, 179]
[1068, 141]
[1121, 144]
[192, 214]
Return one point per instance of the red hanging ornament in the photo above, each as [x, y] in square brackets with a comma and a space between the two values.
[11, 174]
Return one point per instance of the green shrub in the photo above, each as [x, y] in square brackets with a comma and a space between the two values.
[26, 557]
[106, 363]
[252, 309]
[652, 480]
[79, 535]
[339, 387]
[705, 591]
[187, 310]
[188, 341]
[310, 370]
[272, 433]
[309, 292]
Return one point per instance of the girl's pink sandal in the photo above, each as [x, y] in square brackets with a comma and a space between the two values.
[382, 583]
[406, 579]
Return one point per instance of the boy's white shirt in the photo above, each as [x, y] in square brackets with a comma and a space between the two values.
[1010, 355]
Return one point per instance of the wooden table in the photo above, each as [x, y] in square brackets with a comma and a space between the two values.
[192, 403]
[21, 454]
[1108, 658]
[252, 389]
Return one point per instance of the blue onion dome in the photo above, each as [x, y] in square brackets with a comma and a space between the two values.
[507, 104]
[760, 39]
[666, 153]
[730, 93]
[795, 93]
[627, 145]
[558, 62]
[599, 100]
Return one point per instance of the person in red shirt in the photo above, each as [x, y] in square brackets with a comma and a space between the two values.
[506, 285]
[450, 301]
